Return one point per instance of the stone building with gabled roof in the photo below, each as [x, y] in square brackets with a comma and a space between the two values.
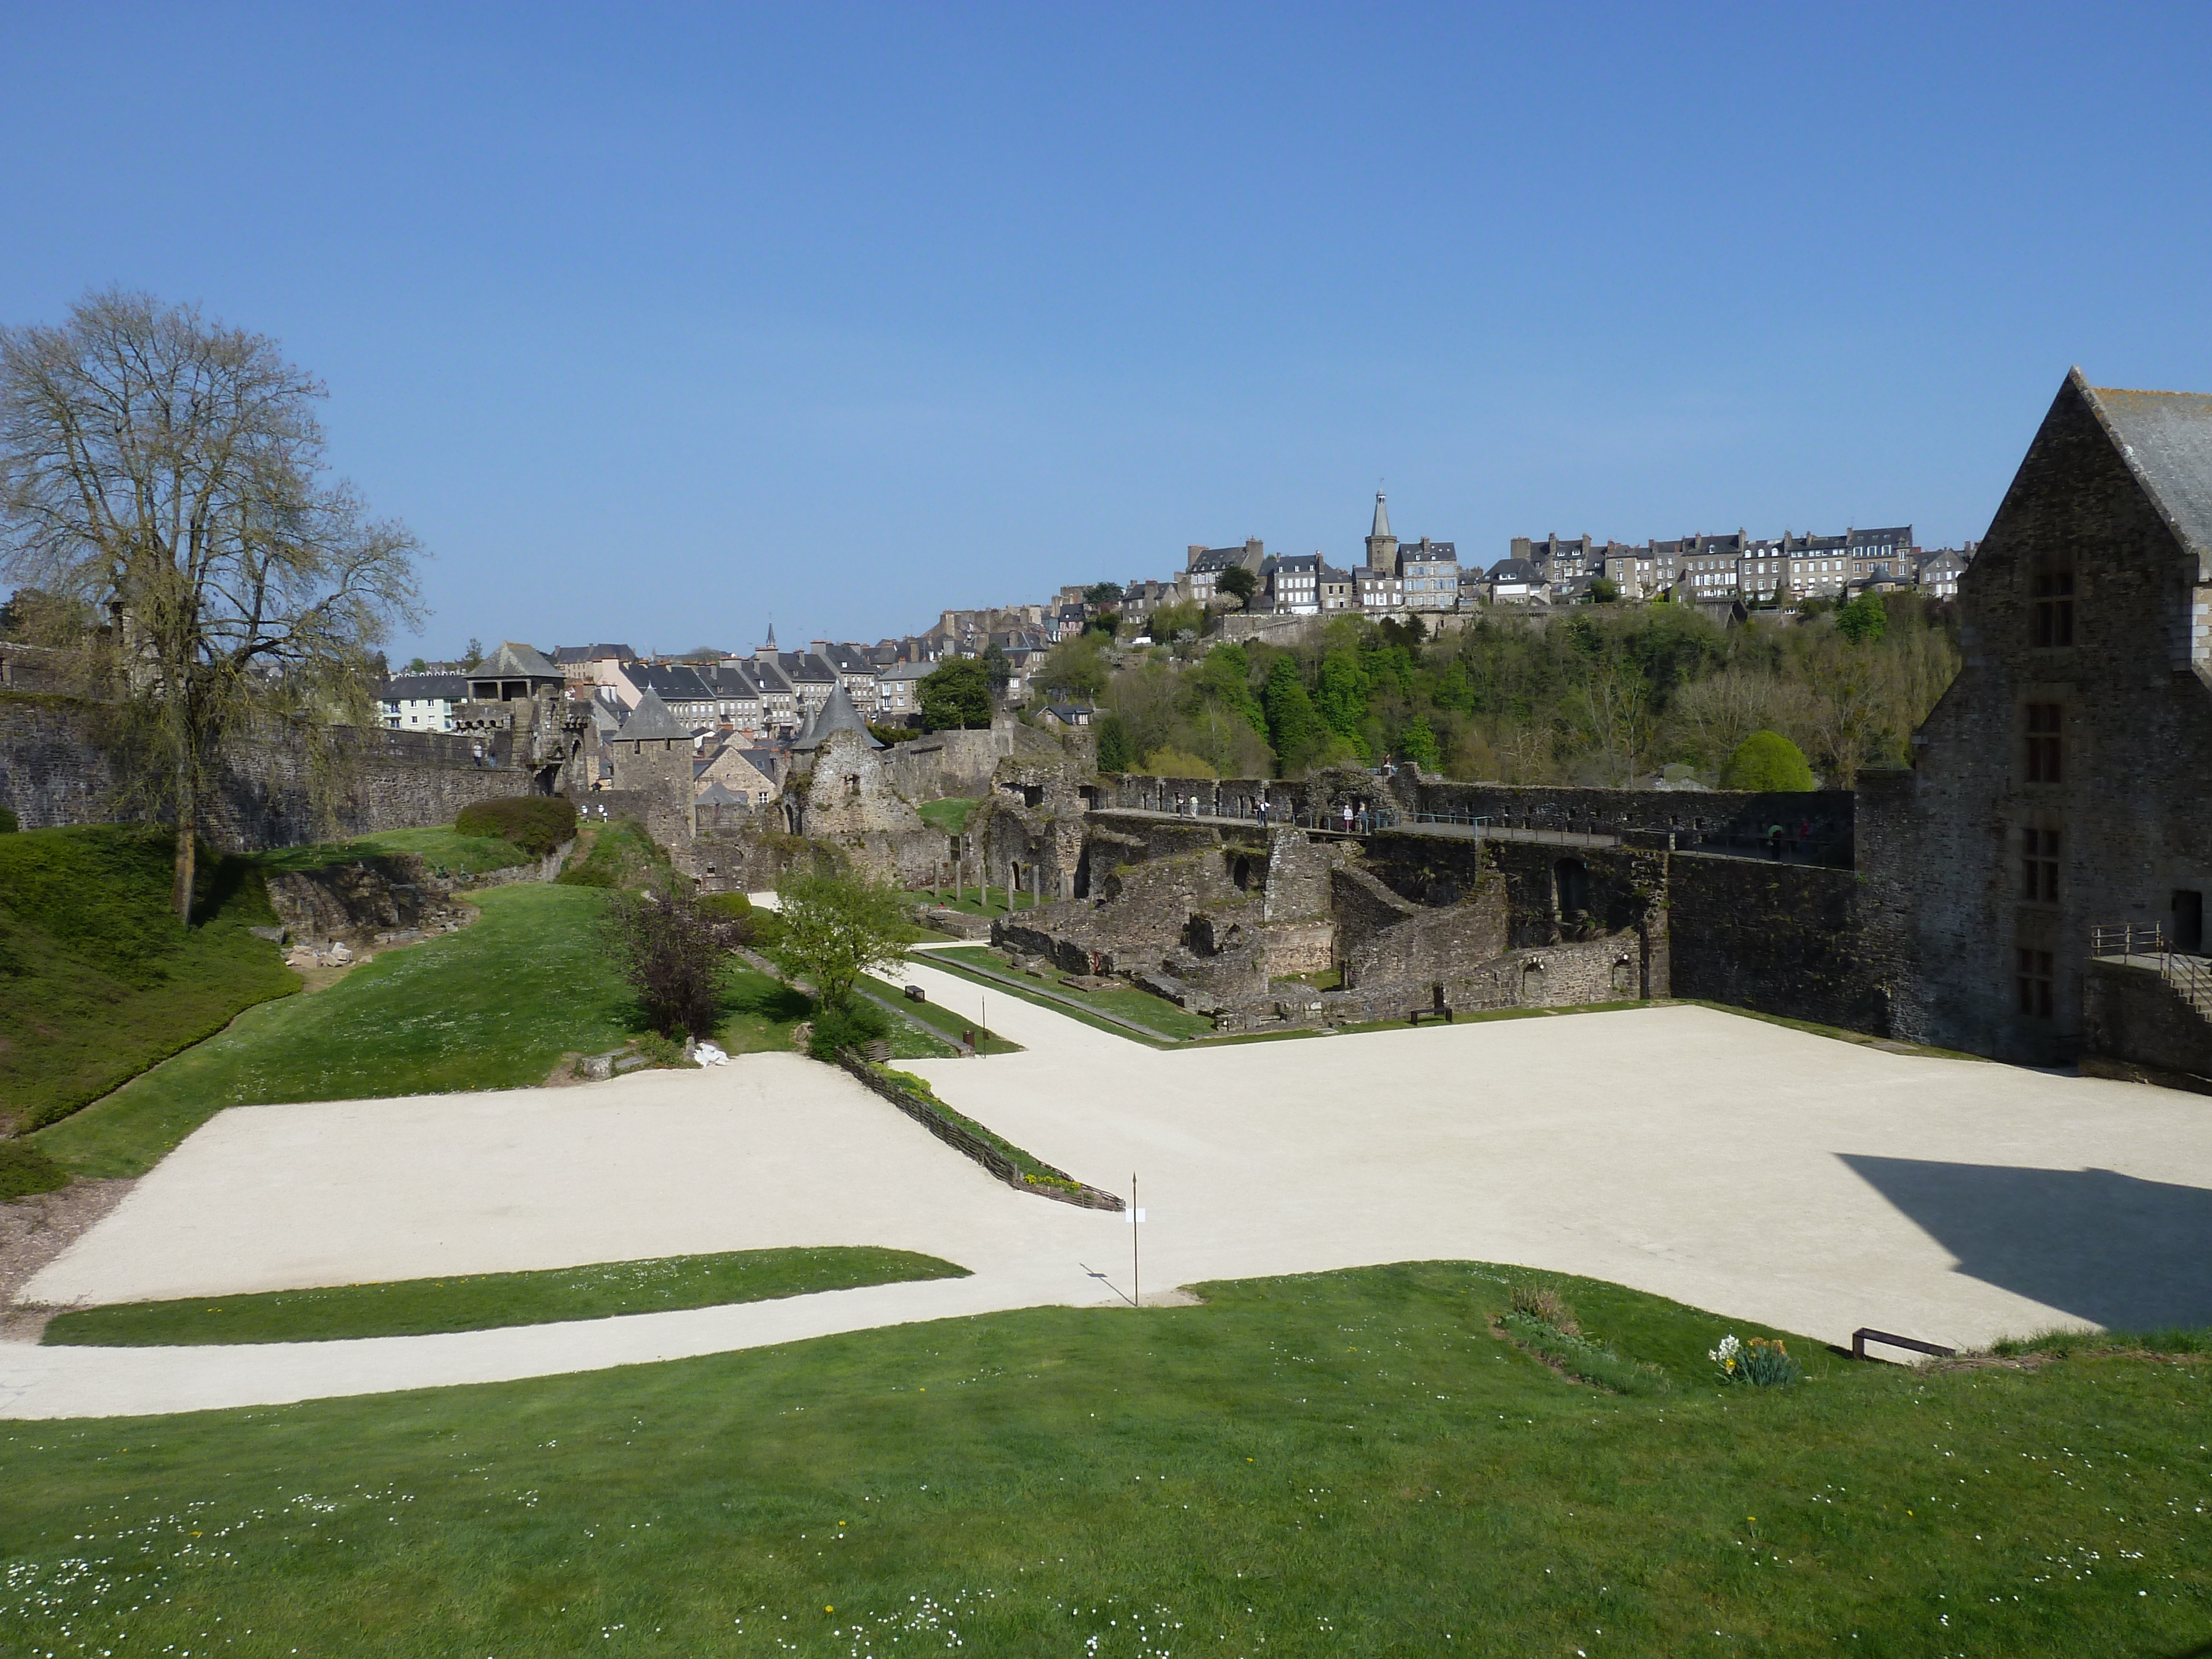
[513, 672]
[2053, 820]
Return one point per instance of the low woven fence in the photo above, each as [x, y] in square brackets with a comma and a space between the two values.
[933, 1115]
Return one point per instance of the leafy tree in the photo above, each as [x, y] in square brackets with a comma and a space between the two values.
[1767, 761]
[1107, 623]
[173, 468]
[1239, 584]
[1113, 751]
[1340, 694]
[474, 654]
[956, 695]
[1417, 742]
[1000, 671]
[1105, 594]
[1170, 620]
[837, 927]
[416, 666]
[1602, 592]
[1073, 668]
[1864, 621]
[1224, 676]
[1292, 726]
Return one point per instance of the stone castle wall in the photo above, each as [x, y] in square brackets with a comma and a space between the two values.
[54, 771]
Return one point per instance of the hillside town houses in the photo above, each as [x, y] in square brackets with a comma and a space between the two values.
[746, 714]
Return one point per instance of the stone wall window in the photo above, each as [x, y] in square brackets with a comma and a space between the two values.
[2044, 760]
[2039, 864]
[2054, 608]
[2033, 980]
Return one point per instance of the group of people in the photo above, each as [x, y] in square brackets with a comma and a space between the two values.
[1358, 819]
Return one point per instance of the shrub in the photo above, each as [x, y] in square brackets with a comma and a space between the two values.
[9, 824]
[852, 1023]
[25, 1170]
[1761, 1362]
[535, 823]
[1767, 761]
[1864, 621]
[1544, 1305]
[670, 955]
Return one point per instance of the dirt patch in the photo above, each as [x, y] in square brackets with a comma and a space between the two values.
[33, 1230]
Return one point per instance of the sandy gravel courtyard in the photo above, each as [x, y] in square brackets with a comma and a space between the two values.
[1728, 1163]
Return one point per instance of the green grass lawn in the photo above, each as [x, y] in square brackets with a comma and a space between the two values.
[949, 815]
[1128, 1002]
[1339, 1463]
[478, 1301]
[97, 980]
[492, 1006]
[969, 904]
[951, 1021]
[444, 850]
[764, 1011]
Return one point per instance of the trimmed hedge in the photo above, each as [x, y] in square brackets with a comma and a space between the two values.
[535, 823]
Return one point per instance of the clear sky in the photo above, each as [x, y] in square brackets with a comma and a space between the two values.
[658, 324]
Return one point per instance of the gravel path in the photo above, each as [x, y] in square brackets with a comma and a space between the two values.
[1719, 1160]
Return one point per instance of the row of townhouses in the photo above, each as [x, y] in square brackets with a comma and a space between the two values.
[1725, 569]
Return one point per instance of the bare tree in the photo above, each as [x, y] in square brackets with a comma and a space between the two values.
[170, 471]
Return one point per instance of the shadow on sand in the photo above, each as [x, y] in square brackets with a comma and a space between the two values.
[2114, 1249]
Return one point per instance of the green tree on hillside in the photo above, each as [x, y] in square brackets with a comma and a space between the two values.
[1341, 697]
[1418, 744]
[1864, 621]
[1105, 595]
[1767, 761]
[173, 468]
[1113, 751]
[837, 927]
[956, 695]
[1239, 584]
[1292, 726]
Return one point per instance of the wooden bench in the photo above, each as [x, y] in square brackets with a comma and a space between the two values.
[1865, 1334]
[1415, 1016]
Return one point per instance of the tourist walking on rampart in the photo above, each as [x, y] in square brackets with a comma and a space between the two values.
[1347, 818]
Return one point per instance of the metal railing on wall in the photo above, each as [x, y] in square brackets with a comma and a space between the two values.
[2188, 973]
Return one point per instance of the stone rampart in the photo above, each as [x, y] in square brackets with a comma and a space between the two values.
[55, 771]
[2135, 1024]
[1781, 939]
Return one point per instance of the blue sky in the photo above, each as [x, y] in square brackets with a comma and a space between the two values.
[657, 324]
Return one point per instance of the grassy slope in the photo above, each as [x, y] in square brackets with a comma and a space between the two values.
[949, 814]
[490, 1007]
[951, 1021]
[97, 980]
[1338, 1463]
[445, 848]
[1142, 1006]
[416, 1306]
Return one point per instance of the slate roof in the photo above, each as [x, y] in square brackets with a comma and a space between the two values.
[836, 714]
[2167, 437]
[1516, 571]
[651, 720]
[567, 653]
[515, 662]
[672, 682]
[419, 688]
[719, 794]
[731, 680]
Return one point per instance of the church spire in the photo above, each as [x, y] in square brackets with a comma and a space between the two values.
[1381, 545]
